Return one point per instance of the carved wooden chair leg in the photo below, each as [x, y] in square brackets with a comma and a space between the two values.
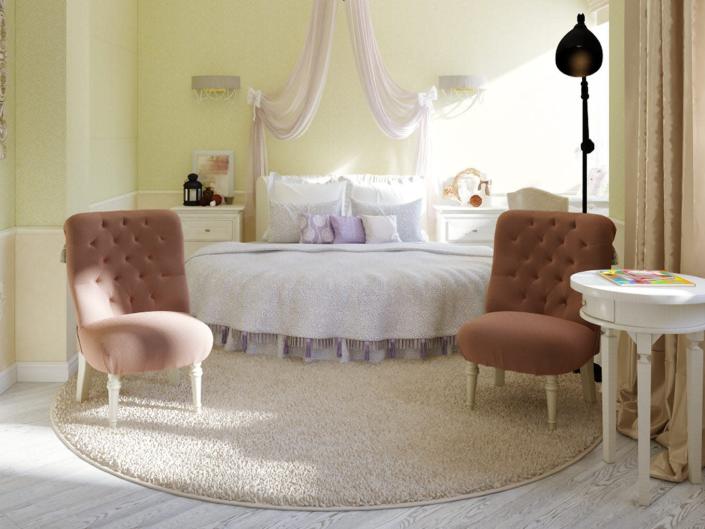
[552, 399]
[587, 372]
[114, 385]
[498, 377]
[196, 374]
[471, 371]
[83, 380]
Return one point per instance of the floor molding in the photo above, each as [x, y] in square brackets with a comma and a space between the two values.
[46, 371]
[8, 378]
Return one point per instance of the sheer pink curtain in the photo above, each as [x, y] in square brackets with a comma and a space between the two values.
[398, 112]
[288, 113]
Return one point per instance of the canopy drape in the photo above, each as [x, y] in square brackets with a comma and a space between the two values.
[288, 113]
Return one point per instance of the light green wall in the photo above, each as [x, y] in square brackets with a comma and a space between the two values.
[40, 112]
[7, 166]
[76, 106]
[113, 98]
[617, 113]
[521, 134]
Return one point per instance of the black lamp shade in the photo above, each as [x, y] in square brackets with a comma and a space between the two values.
[579, 53]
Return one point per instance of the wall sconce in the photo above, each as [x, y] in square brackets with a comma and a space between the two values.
[223, 87]
[462, 85]
[459, 93]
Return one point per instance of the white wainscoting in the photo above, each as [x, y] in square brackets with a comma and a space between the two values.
[159, 199]
[47, 371]
[41, 326]
[8, 372]
[8, 377]
[120, 202]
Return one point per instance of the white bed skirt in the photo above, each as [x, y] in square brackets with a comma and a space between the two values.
[341, 349]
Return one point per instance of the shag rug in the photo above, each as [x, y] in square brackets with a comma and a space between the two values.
[285, 434]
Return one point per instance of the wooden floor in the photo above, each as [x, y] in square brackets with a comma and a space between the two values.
[42, 484]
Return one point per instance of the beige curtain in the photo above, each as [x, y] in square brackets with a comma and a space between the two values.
[665, 213]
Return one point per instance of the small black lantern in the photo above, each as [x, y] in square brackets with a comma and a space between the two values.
[193, 191]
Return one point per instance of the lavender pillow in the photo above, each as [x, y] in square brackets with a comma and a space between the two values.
[315, 229]
[347, 229]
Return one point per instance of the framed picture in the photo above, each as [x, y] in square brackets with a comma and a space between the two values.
[218, 168]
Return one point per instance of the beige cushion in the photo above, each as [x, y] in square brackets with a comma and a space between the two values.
[145, 341]
[527, 343]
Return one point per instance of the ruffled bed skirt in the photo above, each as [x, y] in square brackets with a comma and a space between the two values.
[341, 349]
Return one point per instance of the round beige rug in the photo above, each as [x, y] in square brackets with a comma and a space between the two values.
[281, 433]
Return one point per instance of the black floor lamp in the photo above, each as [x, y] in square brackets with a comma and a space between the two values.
[579, 54]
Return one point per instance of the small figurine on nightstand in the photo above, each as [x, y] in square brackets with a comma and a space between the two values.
[210, 197]
[469, 187]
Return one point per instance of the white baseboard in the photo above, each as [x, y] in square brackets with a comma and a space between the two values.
[8, 377]
[46, 371]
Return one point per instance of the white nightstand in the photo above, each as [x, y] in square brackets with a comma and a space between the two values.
[206, 225]
[466, 225]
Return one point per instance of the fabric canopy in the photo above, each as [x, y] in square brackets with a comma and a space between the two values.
[288, 113]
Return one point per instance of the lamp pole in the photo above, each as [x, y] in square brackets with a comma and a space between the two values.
[587, 145]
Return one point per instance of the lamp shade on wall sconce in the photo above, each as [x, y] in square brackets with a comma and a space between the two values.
[463, 85]
[222, 87]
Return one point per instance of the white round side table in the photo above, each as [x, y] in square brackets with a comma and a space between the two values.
[646, 313]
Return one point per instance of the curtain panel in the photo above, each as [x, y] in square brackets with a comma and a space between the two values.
[665, 223]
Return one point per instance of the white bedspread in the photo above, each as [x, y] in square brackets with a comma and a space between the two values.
[353, 291]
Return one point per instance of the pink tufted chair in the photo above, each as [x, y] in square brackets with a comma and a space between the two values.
[533, 322]
[126, 276]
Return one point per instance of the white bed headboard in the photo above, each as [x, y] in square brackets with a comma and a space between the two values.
[262, 192]
[261, 207]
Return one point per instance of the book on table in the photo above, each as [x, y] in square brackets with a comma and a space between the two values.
[645, 278]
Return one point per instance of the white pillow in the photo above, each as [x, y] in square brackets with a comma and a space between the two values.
[384, 189]
[380, 228]
[284, 218]
[290, 192]
[311, 179]
[408, 216]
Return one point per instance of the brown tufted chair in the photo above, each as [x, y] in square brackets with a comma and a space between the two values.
[532, 324]
[126, 276]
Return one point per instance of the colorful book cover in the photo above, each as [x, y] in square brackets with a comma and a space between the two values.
[645, 278]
